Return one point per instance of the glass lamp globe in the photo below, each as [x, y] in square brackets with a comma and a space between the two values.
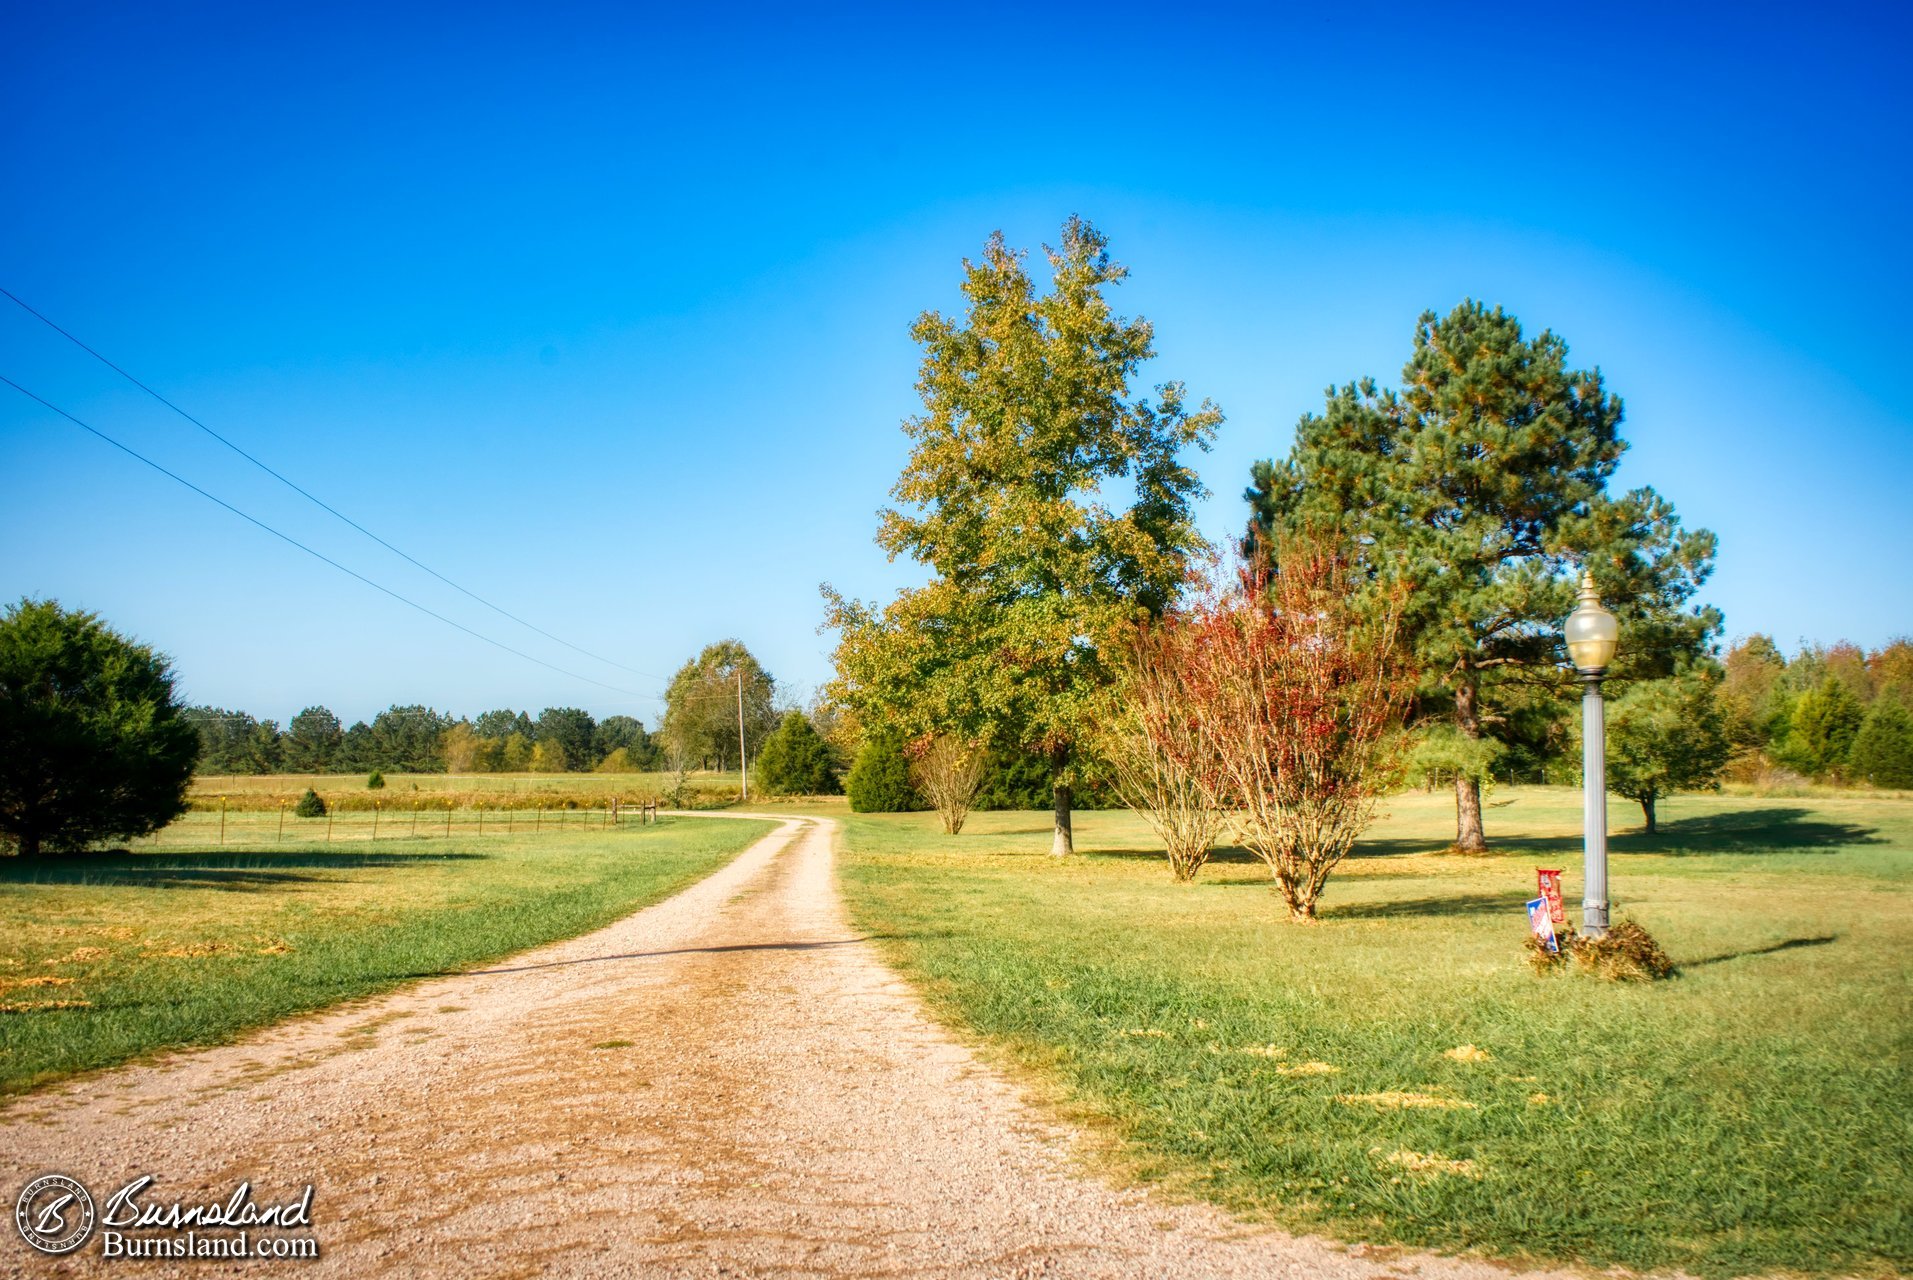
[1591, 632]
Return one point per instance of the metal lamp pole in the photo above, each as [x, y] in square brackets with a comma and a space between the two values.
[1591, 633]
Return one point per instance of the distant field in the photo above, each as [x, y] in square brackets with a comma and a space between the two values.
[463, 790]
[108, 957]
[1395, 1073]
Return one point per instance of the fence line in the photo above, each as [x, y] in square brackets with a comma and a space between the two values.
[367, 826]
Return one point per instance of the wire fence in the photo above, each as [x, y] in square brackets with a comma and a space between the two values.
[270, 828]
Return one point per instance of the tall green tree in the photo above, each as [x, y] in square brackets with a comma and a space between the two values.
[1882, 753]
[404, 740]
[795, 760]
[313, 741]
[1484, 481]
[1050, 506]
[574, 730]
[1825, 721]
[94, 744]
[701, 706]
[624, 733]
[1665, 736]
[502, 723]
[226, 739]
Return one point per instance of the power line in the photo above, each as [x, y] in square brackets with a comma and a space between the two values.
[316, 501]
[171, 475]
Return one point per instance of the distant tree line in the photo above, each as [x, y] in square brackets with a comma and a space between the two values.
[1833, 713]
[418, 739]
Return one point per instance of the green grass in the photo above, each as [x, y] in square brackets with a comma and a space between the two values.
[1749, 1116]
[195, 944]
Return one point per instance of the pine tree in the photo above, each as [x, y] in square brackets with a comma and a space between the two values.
[794, 760]
[879, 779]
[1484, 483]
[94, 744]
[1824, 723]
[1882, 753]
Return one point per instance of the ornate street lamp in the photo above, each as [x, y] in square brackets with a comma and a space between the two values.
[1591, 633]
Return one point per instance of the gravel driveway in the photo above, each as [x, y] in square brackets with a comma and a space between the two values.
[728, 1083]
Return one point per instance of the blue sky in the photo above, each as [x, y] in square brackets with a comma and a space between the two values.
[603, 313]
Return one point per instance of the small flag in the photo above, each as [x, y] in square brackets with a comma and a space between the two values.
[1541, 920]
[1550, 888]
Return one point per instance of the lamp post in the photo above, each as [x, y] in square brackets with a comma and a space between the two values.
[1591, 633]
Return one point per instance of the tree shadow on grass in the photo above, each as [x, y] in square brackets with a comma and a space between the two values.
[1454, 904]
[238, 869]
[1777, 829]
[1226, 854]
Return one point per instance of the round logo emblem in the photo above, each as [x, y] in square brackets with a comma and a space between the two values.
[54, 1214]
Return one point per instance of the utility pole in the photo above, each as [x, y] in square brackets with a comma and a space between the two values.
[743, 764]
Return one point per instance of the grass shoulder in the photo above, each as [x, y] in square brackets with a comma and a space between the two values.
[1396, 1074]
[112, 957]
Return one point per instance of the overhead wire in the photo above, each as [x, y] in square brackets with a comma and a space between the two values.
[317, 555]
[313, 498]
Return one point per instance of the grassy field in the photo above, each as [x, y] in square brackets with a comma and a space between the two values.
[1395, 1073]
[107, 957]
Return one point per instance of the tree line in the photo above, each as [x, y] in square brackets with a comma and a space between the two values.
[1834, 713]
[419, 739]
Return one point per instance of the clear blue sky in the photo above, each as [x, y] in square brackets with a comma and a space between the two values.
[604, 314]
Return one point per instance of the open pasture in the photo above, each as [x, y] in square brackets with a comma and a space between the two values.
[1396, 1073]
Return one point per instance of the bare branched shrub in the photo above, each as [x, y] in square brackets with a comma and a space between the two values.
[947, 770]
[1157, 751]
[1299, 686]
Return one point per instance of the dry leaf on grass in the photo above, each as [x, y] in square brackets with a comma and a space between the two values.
[1428, 1163]
[81, 955]
[1468, 1053]
[1404, 1100]
[37, 1006]
[10, 984]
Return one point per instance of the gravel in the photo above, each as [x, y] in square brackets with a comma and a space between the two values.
[730, 1083]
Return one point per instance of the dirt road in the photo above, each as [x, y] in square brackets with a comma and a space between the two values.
[729, 1083]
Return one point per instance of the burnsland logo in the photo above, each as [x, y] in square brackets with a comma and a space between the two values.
[56, 1215]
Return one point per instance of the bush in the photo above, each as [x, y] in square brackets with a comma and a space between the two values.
[92, 743]
[879, 780]
[374, 783]
[1626, 953]
[946, 771]
[795, 760]
[1882, 752]
[310, 805]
